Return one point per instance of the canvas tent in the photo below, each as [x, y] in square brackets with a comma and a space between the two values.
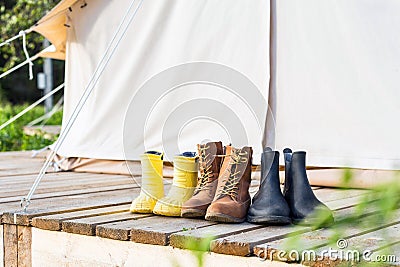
[325, 73]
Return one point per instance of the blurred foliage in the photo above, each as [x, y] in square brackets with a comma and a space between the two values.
[198, 248]
[17, 15]
[13, 138]
[377, 207]
[20, 15]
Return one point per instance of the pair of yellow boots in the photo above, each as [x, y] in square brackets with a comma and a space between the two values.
[151, 198]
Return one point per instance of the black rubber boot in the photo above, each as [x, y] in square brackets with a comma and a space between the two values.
[305, 208]
[269, 206]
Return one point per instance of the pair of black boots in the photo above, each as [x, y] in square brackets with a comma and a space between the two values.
[297, 204]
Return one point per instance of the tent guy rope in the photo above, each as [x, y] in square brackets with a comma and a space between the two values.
[20, 34]
[111, 48]
[28, 59]
[31, 106]
[43, 119]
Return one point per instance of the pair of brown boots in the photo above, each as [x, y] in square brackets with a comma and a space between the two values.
[222, 191]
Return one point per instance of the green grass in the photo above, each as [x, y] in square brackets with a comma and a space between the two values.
[12, 138]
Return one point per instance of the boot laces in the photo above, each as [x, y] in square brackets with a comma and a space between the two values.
[231, 186]
[205, 169]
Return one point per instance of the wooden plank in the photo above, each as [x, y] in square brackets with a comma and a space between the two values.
[10, 193]
[154, 230]
[67, 183]
[243, 244]
[257, 243]
[24, 246]
[58, 179]
[87, 226]
[44, 187]
[71, 193]
[27, 169]
[110, 179]
[53, 222]
[49, 178]
[79, 185]
[332, 194]
[14, 154]
[60, 176]
[191, 238]
[117, 230]
[320, 238]
[10, 246]
[11, 162]
[68, 203]
[62, 204]
[21, 162]
[157, 230]
[21, 154]
[344, 203]
[378, 239]
[23, 168]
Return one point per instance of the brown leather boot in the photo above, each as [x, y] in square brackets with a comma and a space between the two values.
[210, 164]
[232, 199]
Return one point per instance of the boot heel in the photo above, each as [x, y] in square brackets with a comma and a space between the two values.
[269, 220]
[224, 218]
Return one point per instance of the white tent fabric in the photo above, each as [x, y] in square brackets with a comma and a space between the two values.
[337, 81]
[230, 36]
[334, 78]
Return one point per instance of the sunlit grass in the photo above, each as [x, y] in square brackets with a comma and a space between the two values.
[12, 138]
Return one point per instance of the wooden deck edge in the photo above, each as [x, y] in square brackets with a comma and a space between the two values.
[25, 218]
[185, 240]
[30, 246]
[86, 226]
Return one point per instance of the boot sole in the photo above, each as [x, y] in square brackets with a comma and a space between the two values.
[219, 217]
[142, 211]
[193, 213]
[273, 220]
[168, 214]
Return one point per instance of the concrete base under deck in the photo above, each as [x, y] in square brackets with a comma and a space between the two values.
[50, 248]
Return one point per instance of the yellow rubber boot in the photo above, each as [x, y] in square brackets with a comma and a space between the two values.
[183, 185]
[152, 183]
